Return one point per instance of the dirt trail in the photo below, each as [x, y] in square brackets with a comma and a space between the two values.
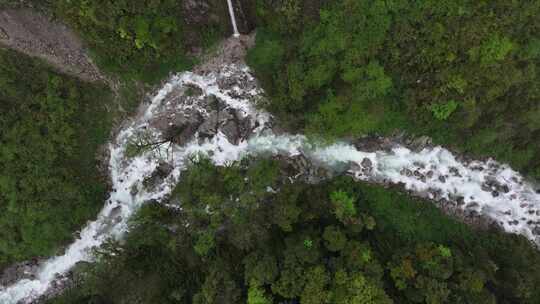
[34, 34]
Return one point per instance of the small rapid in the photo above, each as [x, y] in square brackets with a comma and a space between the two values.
[486, 187]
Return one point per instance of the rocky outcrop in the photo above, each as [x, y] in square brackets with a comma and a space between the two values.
[19, 271]
[34, 34]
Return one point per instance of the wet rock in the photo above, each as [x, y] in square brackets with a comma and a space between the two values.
[134, 190]
[115, 212]
[156, 178]
[472, 205]
[367, 164]
[494, 193]
[493, 185]
[354, 167]
[454, 171]
[3, 34]
[477, 168]
[420, 176]
[406, 172]
[193, 90]
[442, 179]
[372, 143]
[164, 169]
[514, 222]
[421, 142]
[19, 271]
[234, 127]
[209, 127]
[436, 194]
[231, 131]
[182, 128]
[213, 103]
[300, 163]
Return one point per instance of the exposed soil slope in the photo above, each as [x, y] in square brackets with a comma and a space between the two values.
[32, 33]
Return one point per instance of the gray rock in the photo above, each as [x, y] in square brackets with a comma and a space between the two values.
[183, 128]
[156, 178]
[19, 271]
[193, 90]
[421, 142]
[406, 172]
[419, 176]
[454, 171]
[209, 127]
[164, 169]
[3, 34]
[367, 164]
[472, 205]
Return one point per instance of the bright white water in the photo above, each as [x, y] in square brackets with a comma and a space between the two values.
[433, 171]
[233, 18]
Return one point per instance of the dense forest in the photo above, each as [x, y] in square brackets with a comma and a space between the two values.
[464, 72]
[51, 127]
[236, 241]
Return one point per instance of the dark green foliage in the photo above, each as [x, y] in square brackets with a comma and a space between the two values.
[314, 258]
[464, 72]
[144, 40]
[50, 129]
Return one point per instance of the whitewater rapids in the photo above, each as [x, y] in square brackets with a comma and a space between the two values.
[435, 171]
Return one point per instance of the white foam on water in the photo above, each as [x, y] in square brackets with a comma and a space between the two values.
[432, 170]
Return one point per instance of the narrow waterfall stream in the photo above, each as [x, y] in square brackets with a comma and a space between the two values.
[233, 19]
[489, 188]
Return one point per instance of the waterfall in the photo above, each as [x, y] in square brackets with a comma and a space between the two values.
[233, 19]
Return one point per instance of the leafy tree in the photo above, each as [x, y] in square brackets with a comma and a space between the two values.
[335, 239]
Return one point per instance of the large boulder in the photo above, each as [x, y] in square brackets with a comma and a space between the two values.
[183, 128]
